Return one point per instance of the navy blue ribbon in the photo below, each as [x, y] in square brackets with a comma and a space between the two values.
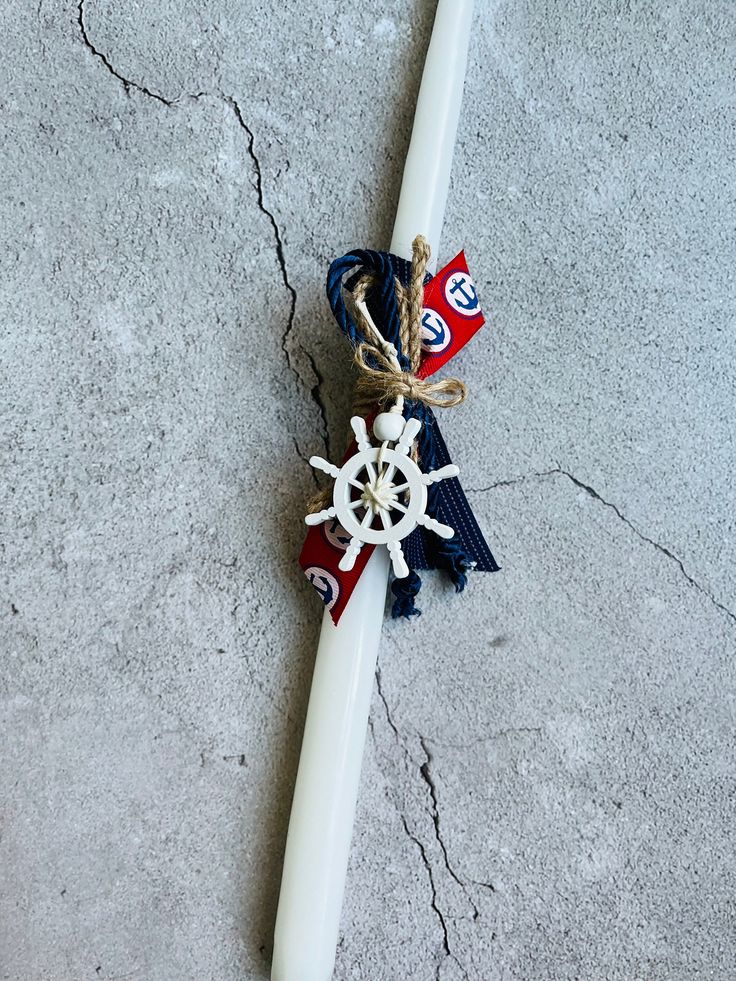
[446, 501]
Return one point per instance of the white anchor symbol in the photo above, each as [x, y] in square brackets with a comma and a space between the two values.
[435, 332]
[463, 286]
[433, 328]
[325, 584]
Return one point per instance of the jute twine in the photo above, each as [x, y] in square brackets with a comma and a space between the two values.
[380, 378]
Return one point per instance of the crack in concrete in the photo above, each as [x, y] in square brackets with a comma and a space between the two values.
[314, 390]
[127, 83]
[435, 906]
[305, 460]
[274, 227]
[434, 814]
[592, 492]
[501, 734]
[389, 719]
[663, 549]
[316, 393]
[512, 481]
[424, 770]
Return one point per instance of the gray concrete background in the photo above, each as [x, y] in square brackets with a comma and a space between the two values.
[548, 787]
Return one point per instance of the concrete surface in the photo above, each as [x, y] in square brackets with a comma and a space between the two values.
[548, 790]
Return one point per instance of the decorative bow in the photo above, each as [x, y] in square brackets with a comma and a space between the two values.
[427, 321]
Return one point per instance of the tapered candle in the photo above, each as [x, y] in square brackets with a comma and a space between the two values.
[326, 790]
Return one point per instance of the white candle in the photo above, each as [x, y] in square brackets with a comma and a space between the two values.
[326, 791]
[429, 159]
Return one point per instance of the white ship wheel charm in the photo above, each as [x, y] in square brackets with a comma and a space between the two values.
[380, 494]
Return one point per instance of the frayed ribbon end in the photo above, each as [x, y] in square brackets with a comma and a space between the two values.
[405, 591]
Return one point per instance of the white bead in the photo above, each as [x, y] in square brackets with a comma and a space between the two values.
[388, 426]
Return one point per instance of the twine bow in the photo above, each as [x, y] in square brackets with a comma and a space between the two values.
[380, 380]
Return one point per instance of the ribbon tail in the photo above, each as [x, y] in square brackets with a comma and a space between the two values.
[447, 502]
